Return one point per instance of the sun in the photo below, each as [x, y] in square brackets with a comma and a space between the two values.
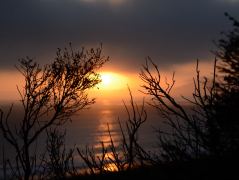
[106, 79]
[112, 81]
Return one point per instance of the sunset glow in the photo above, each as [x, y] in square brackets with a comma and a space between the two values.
[106, 79]
[112, 81]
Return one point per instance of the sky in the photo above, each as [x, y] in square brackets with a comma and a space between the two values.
[173, 33]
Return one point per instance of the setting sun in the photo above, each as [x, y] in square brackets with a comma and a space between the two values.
[110, 81]
[106, 79]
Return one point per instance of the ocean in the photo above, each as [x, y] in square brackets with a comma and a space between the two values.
[89, 128]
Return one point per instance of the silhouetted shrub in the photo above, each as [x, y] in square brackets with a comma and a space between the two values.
[57, 162]
[50, 96]
[211, 127]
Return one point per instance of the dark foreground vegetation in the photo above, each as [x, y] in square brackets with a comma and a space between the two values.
[202, 143]
[201, 169]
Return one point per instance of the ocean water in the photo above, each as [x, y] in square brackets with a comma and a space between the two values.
[89, 127]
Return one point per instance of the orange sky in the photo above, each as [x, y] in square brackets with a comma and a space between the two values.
[115, 90]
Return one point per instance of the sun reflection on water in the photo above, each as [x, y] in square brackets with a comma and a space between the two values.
[107, 122]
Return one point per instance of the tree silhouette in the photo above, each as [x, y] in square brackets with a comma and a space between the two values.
[57, 162]
[226, 106]
[186, 137]
[211, 127]
[50, 96]
[228, 54]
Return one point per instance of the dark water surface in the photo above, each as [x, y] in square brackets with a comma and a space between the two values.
[89, 128]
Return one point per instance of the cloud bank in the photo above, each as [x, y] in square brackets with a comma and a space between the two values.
[171, 32]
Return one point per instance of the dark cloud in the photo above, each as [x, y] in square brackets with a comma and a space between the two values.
[171, 31]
